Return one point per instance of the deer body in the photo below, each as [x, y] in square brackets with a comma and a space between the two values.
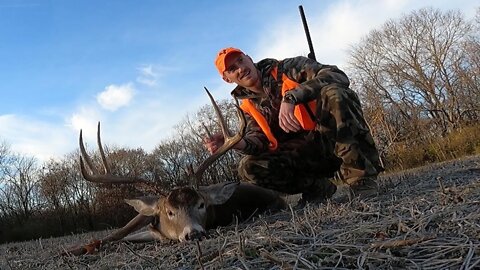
[246, 201]
[186, 214]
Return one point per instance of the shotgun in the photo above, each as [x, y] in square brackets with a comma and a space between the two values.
[311, 54]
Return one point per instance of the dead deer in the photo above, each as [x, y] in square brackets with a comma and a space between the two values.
[185, 213]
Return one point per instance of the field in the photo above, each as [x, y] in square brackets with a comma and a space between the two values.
[426, 218]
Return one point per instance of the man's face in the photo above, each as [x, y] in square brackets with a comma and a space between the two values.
[239, 69]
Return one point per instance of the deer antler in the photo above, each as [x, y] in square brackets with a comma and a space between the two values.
[106, 176]
[133, 225]
[229, 140]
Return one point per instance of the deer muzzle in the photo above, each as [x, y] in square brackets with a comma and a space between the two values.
[190, 233]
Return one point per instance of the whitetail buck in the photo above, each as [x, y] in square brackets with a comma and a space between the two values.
[184, 213]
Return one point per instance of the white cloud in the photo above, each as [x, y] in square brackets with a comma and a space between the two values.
[116, 96]
[36, 138]
[143, 124]
[335, 28]
[148, 76]
[86, 119]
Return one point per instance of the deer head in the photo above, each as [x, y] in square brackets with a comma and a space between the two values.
[183, 213]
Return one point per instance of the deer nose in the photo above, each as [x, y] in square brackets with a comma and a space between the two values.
[195, 232]
[195, 235]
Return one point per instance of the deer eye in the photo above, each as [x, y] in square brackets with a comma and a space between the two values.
[201, 206]
[170, 213]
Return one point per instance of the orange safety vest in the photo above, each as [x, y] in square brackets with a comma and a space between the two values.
[300, 111]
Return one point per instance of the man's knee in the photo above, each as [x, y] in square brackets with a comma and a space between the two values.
[244, 168]
[251, 168]
[269, 172]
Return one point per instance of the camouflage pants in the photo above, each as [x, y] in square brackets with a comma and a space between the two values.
[342, 142]
[341, 118]
[297, 166]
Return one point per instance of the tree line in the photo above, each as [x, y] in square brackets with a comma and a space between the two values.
[418, 78]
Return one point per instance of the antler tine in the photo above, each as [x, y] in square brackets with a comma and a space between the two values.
[209, 134]
[84, 155]
[106, 167]
[229, 141]
[107, 177]
[221, 119]
[193, 181]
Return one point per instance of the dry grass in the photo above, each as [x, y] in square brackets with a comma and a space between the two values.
[428, 218]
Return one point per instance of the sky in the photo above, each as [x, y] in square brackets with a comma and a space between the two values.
[139, 67]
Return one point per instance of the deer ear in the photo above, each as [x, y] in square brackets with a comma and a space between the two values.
[147, 206]
[219, 193]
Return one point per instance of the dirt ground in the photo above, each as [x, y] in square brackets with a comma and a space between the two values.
[426, 218]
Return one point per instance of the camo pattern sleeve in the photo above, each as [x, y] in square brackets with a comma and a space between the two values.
[255, 140]
[312, 77]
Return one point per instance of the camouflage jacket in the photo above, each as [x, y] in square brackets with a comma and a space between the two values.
[312, 77]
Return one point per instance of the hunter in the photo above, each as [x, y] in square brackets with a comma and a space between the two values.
[304, 123]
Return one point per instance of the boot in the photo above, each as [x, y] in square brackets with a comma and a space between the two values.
[318, 193]
[364, 188]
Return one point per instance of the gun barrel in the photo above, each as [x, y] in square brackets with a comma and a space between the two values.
[311, 55]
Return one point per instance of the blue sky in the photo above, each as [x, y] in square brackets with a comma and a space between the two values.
[139, 67]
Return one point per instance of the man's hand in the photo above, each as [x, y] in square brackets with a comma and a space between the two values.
[214, 142]
[286, 118]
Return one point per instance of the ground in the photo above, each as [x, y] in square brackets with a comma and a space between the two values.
[426, 218]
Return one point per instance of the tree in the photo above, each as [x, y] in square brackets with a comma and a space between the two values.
[69, 198]
[20, 190]
[415, 77]
[4, 158]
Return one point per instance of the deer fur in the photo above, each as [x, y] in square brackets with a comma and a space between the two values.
[186, 213]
